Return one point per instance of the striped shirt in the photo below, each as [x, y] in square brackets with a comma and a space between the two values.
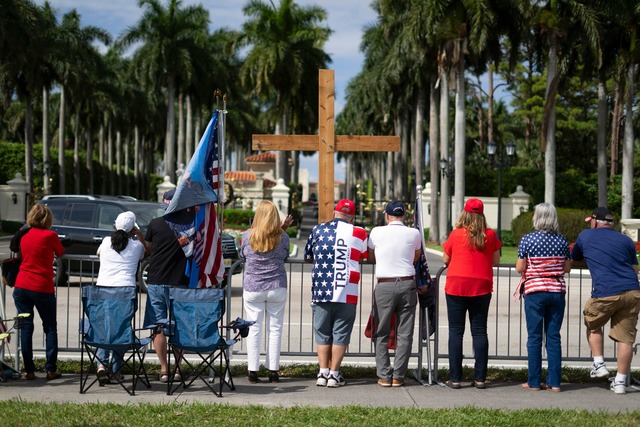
[545, 254]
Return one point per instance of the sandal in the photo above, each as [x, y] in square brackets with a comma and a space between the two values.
[164, 378]
[454, 385]
[528, 387]
[554, 389]
[480, 385]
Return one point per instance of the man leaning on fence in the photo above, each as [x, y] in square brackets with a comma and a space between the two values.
[395, 248]
[615, 295]
[335, 247]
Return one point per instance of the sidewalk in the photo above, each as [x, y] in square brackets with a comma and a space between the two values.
[359, 392]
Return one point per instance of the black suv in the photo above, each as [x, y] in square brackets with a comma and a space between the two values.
[83, 221]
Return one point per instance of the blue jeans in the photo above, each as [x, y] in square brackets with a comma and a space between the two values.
[478, 308]
[25, 301]
[545, 313]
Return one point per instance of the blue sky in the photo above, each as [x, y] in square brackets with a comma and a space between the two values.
[347, 19]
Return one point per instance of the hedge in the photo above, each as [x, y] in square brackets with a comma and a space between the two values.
[571, 222]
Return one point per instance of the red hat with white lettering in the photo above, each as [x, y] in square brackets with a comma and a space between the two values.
[346, 206]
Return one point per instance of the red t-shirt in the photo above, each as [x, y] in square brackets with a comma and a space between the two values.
[37, 249]
[470, 272]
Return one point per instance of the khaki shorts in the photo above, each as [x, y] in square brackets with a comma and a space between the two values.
[622, 309]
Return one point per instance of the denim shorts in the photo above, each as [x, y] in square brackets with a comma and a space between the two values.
[333, 322]
[157, 308]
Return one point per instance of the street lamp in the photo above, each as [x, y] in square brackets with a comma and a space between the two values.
[448, 172]
[500, 164]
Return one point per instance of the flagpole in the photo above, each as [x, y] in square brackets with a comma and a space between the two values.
[422, 317]
[221, 153]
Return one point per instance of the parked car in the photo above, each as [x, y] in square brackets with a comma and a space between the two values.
[82, 221]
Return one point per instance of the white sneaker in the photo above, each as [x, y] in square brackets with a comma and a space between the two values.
[599, 371]
[322, 380]
[618, 388]
[335, 382]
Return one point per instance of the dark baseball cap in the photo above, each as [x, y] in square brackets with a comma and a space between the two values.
[395, 208]
[600, 214]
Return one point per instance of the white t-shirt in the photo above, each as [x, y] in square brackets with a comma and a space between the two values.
[395, 246]
[119, 269]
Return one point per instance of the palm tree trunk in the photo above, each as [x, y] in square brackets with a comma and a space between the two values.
[127, 182]
[76, 152]
[389, 176]
[28, 143]
[170, 137]
[181, 138]
[405, 153]
[61, 132]
[602, 138]
[478, 96]
[112, 188]
[460, 134]
[418, 158]
[627, 149]
[489, 109]
[87, 134]
[281, 156]
[46, 142]
[444, 153]
[119, 160]
[189, 145]
[137, 160]
[550, 121]
[434, 162]
[615, 125]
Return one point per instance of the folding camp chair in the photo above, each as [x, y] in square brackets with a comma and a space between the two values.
[109, 324]
[193, 327]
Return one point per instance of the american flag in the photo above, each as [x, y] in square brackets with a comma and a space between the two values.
[198, 189]
[423, 277]
[545, 254]
[336, 248]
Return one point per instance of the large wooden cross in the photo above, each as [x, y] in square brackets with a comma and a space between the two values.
[326, 143]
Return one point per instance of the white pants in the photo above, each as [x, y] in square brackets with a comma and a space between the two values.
[257, 306]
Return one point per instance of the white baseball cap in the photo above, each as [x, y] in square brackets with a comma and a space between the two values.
[126, 221]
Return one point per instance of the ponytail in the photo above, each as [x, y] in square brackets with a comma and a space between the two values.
[119, 240]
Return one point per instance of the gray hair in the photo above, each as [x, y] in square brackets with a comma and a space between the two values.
[545, 218]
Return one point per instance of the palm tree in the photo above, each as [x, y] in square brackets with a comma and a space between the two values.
[562, 25]
[169, 35]
[78, 61]
[286, 44]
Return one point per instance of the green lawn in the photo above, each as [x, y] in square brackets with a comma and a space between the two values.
[20, 413]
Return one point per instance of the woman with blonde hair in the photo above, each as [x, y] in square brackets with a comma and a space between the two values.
[470, 253]
[265, 247]
[34, 288]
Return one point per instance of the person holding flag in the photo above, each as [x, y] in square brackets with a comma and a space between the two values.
[336, 248]
[395, 248]
[186, 247]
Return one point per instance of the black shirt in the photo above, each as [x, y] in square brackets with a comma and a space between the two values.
[167, 264]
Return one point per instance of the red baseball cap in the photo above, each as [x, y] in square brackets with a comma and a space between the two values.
[474, 206]
[346, 207]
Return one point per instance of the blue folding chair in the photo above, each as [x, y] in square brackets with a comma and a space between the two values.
[109, 324]
[194, 316]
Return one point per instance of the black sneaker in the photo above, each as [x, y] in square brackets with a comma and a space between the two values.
[335, 382]
[253, 377]
[273, 377]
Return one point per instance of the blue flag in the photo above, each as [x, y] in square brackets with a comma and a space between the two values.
[198, 191]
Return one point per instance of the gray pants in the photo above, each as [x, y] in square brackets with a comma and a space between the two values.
[397, 297]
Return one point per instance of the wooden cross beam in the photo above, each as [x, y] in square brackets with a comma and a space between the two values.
[326, 143]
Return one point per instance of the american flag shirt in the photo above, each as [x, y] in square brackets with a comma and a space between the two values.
[336, 248]
[545, 254]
